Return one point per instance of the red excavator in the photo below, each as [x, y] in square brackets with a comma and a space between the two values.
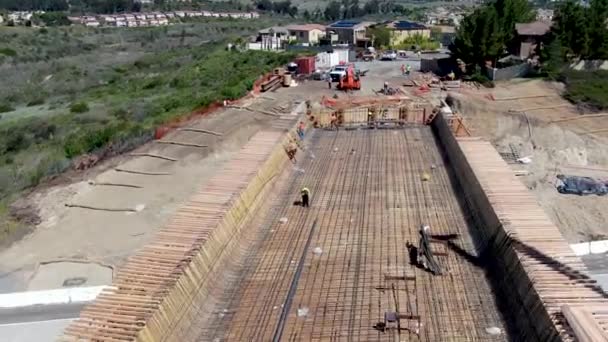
[350, 81]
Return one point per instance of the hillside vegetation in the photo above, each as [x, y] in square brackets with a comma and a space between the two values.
[107, 90]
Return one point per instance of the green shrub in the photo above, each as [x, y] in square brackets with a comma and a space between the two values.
[79, 107]
[153, 83]
[8, 52]
[5, 107]
[42, 131]
[13, 140]
[481, 79]
[36, 102]
[589, 88]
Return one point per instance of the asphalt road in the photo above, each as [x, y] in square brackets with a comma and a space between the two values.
[39, 323]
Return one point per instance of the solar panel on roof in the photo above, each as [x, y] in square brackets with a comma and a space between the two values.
[408, 25]
[345, 23]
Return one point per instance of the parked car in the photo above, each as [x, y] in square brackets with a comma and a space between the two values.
[389, 55]
[369, 54]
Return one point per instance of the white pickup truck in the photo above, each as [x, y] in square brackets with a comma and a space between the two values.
[337, 72]
[389, 55]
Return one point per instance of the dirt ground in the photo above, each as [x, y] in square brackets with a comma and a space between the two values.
[513, 122]
[134, 211]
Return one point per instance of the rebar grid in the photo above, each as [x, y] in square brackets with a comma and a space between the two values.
[369, 199]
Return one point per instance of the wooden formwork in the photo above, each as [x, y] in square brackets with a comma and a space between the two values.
[405, 112]
[157, 285]
[532, 265]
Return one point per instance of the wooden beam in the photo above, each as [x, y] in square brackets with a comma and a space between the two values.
[522, 97]
[200, 130]
[582, 116]
[167, 142]
[152, 155]
[146, 173]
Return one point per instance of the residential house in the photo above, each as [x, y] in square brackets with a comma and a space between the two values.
[544, 14]
[447, 34]
[180, 14]
[402, 30]
[307, 34]
[170, 15]
[530, 37]
[351, 32]
[154, 22]
[109, 19]
[91, 23]
[121, 23]
[129, 17]
[140, 16]
[273, 38]
[131, 23]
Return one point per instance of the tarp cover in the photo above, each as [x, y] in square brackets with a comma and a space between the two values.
[581, 185]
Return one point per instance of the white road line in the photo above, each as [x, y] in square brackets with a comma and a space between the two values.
[34, 322]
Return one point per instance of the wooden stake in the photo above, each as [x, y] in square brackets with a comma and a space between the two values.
[583, 116]
[521, 97]
[151, 155]
[199, 130]
[180, 143]
[143, 172]
[539, 108]
[130, 210]
[596, 131]
[116, 184]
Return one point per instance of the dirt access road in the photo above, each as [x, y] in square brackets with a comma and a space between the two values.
[520, 115]
[83, 245]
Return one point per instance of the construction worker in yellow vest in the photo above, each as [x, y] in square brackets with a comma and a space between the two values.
[305, 197]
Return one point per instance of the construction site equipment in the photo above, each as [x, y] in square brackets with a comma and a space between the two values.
[426, 258]
[274, 82]
[350, 81]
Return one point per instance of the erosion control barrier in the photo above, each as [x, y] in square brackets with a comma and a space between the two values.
[533, 269]
[152, 295]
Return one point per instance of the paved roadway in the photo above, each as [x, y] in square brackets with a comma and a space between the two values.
[597, 264]
[36, 323]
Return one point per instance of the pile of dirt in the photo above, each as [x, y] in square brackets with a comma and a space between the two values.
[553, 150]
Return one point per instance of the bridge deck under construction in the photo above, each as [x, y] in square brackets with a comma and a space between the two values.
[332, 271]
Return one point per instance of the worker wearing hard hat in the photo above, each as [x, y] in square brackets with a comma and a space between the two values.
[305, 197]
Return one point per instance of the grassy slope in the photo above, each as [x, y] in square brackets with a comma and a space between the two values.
[131, 80]
[589, 88]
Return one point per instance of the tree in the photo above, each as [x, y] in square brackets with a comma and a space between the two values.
[380, 36]
[484, 34]
[52, 19]
[372, 7]
[570, 28]
[136, 7]
[597, 29]
[333, 11]
[479, 38]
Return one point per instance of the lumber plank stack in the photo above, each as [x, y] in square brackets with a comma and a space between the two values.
[532, 265]
[152, 295]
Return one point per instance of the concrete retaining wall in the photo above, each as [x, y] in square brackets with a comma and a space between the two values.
[527, 316]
